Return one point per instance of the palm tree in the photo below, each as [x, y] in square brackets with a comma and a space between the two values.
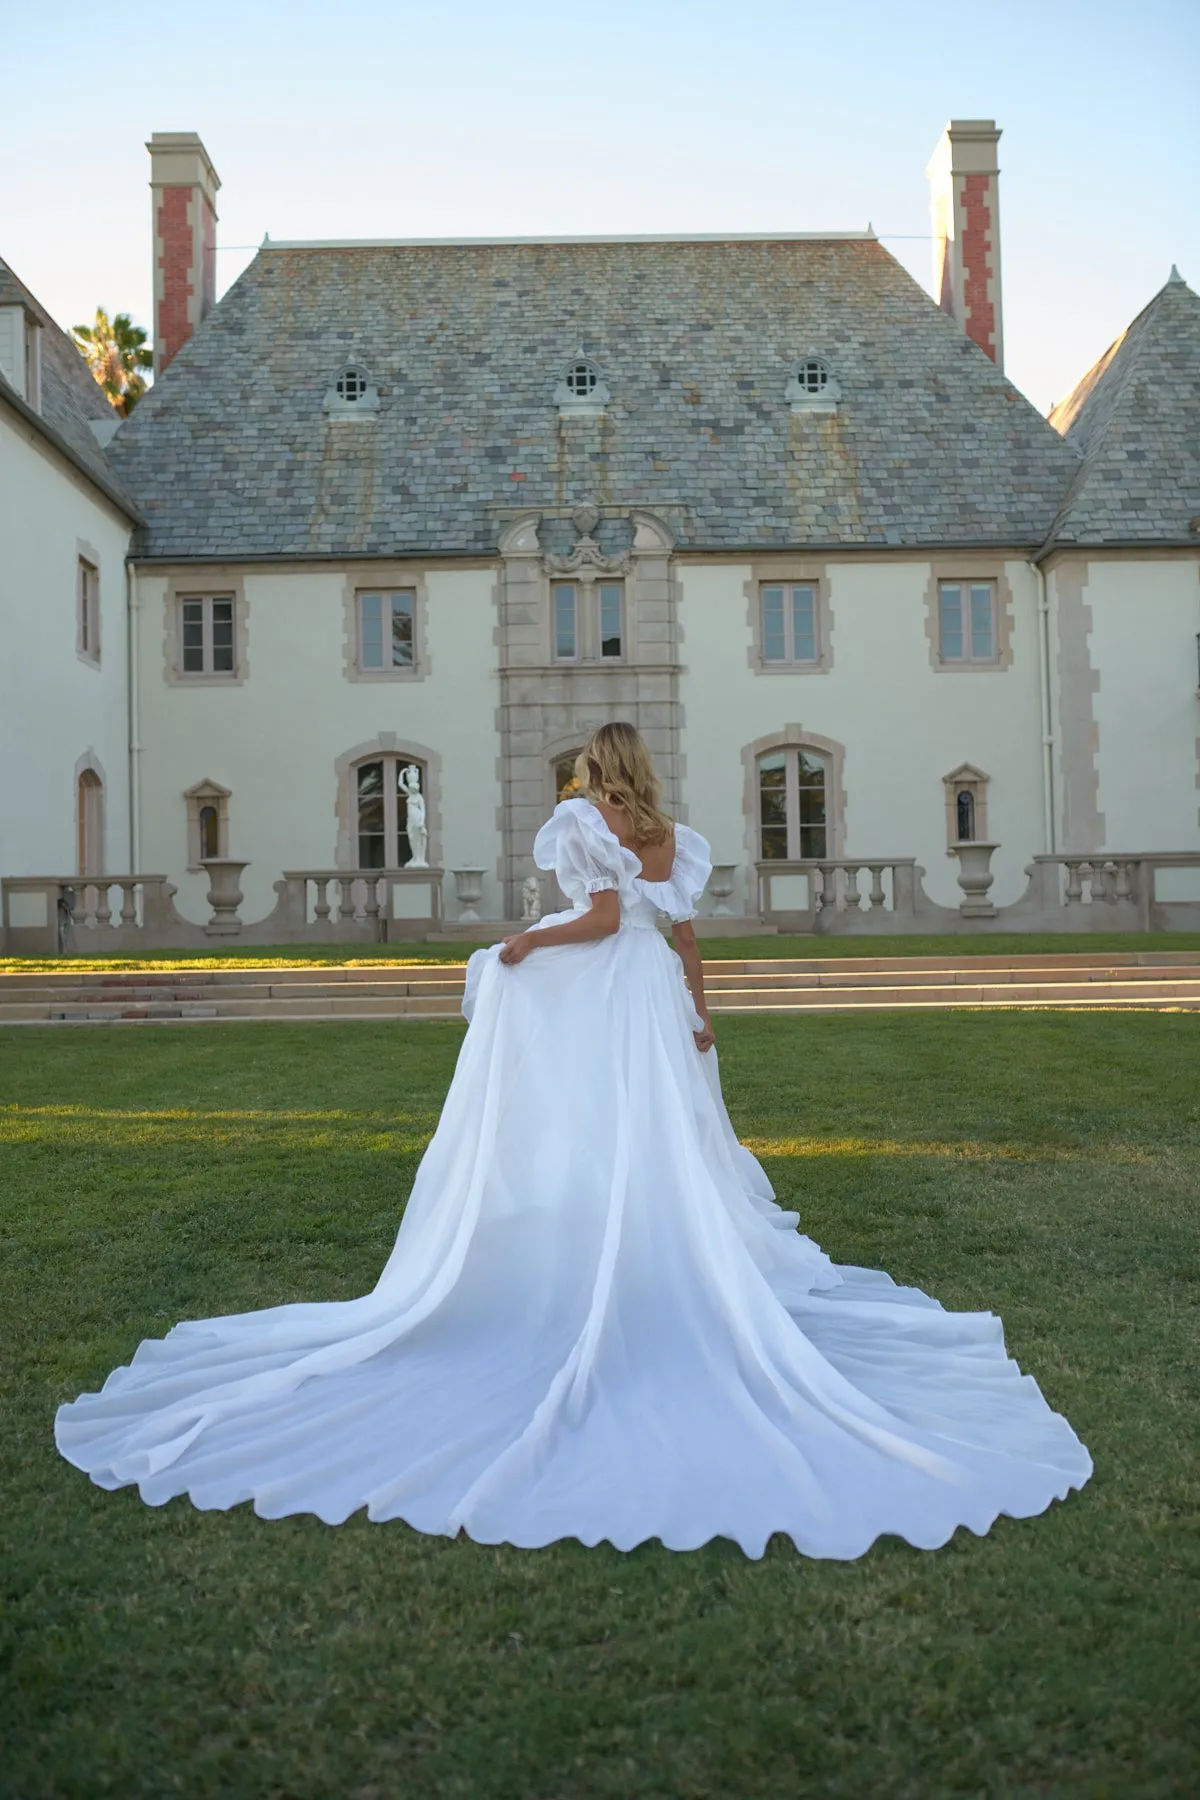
[115, 353]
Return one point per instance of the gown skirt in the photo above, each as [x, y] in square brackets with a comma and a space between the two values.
[595, 1323]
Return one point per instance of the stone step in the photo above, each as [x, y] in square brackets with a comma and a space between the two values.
[198, 983]
[771, 999]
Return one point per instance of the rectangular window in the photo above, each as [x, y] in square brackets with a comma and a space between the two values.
[789, 623]
[610, 600]
[810, 783]
[386, 639]
[967, 621]
[206, 635]
[566, 622]
[87, 615]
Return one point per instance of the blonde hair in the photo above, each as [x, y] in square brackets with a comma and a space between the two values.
[615, 767]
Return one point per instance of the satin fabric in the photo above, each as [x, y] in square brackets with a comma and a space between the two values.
[595, 1322]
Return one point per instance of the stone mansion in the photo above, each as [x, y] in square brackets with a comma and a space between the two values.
[454, 504]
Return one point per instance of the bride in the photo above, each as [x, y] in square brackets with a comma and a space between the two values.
[595, 1322]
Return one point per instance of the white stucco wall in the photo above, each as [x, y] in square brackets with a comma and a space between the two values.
[904, 724]
[55, 708]
[1144, 619]
[274, 740]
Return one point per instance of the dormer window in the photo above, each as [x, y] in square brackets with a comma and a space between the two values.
[351, 385]
[581, 389]
[581, 378]
[812, 387]
[352, 396]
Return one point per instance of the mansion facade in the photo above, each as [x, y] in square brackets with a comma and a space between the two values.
[453, 505]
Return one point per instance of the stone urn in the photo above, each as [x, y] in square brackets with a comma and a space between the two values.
[468, 891]
[975, 878]
[224, 894]
[720, 888]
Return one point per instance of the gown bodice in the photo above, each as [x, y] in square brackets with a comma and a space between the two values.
[587, 858]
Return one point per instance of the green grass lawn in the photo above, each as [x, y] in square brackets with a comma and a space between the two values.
[1043, 1165]
[273, 956]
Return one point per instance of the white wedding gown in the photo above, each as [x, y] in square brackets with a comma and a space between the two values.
[595, 1322]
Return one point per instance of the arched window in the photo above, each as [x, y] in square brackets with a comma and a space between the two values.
[89, 823]
[793, 804]
[965, 816]
[566, 786]
[382, 795]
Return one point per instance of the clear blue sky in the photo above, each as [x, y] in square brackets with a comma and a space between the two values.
[490, 119]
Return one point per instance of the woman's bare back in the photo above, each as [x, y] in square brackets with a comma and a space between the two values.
[657, 860]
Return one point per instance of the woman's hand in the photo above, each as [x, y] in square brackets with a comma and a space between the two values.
[705, 1039]
[515, 949]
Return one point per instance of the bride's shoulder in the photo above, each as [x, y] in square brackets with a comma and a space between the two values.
[689, 844]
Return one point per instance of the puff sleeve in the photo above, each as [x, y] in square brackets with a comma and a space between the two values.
[585, 856]
[679, 896]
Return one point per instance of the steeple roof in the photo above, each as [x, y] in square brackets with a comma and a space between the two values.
[70, 396]
[1135, 419]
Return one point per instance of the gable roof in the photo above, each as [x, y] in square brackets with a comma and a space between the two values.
[231, 453]
[70, 396]
[1135, 418]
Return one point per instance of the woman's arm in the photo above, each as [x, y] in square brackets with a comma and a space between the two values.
[602, 918]
[689, 955]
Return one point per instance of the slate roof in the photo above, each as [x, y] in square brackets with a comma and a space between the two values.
[70, 396]
[1135, 418]
[231, 454]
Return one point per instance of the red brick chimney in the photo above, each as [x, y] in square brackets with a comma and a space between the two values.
[183, 187]
[965, 195]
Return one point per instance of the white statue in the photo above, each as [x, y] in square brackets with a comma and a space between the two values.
[418, 835]
[531, 899]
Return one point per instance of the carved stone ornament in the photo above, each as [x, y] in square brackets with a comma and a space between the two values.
[587, 558]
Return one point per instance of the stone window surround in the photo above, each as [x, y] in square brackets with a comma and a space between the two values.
[385, 743]
[386, 578]
[792, 571]
[206, 793]
[970, 567]
[586, 582]
[796, 737]
[89, 764]
[87, 557]
[975, 781]
[212, 582]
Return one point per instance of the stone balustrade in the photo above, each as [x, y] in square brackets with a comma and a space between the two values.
[49, 915]
[345, 904]
[840, 893]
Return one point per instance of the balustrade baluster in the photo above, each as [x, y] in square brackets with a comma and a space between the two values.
[128, 905]
[103, 910]
[1075, 869]
[877, 893]
[321, 907]
[1099, 882]
[850, 893]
